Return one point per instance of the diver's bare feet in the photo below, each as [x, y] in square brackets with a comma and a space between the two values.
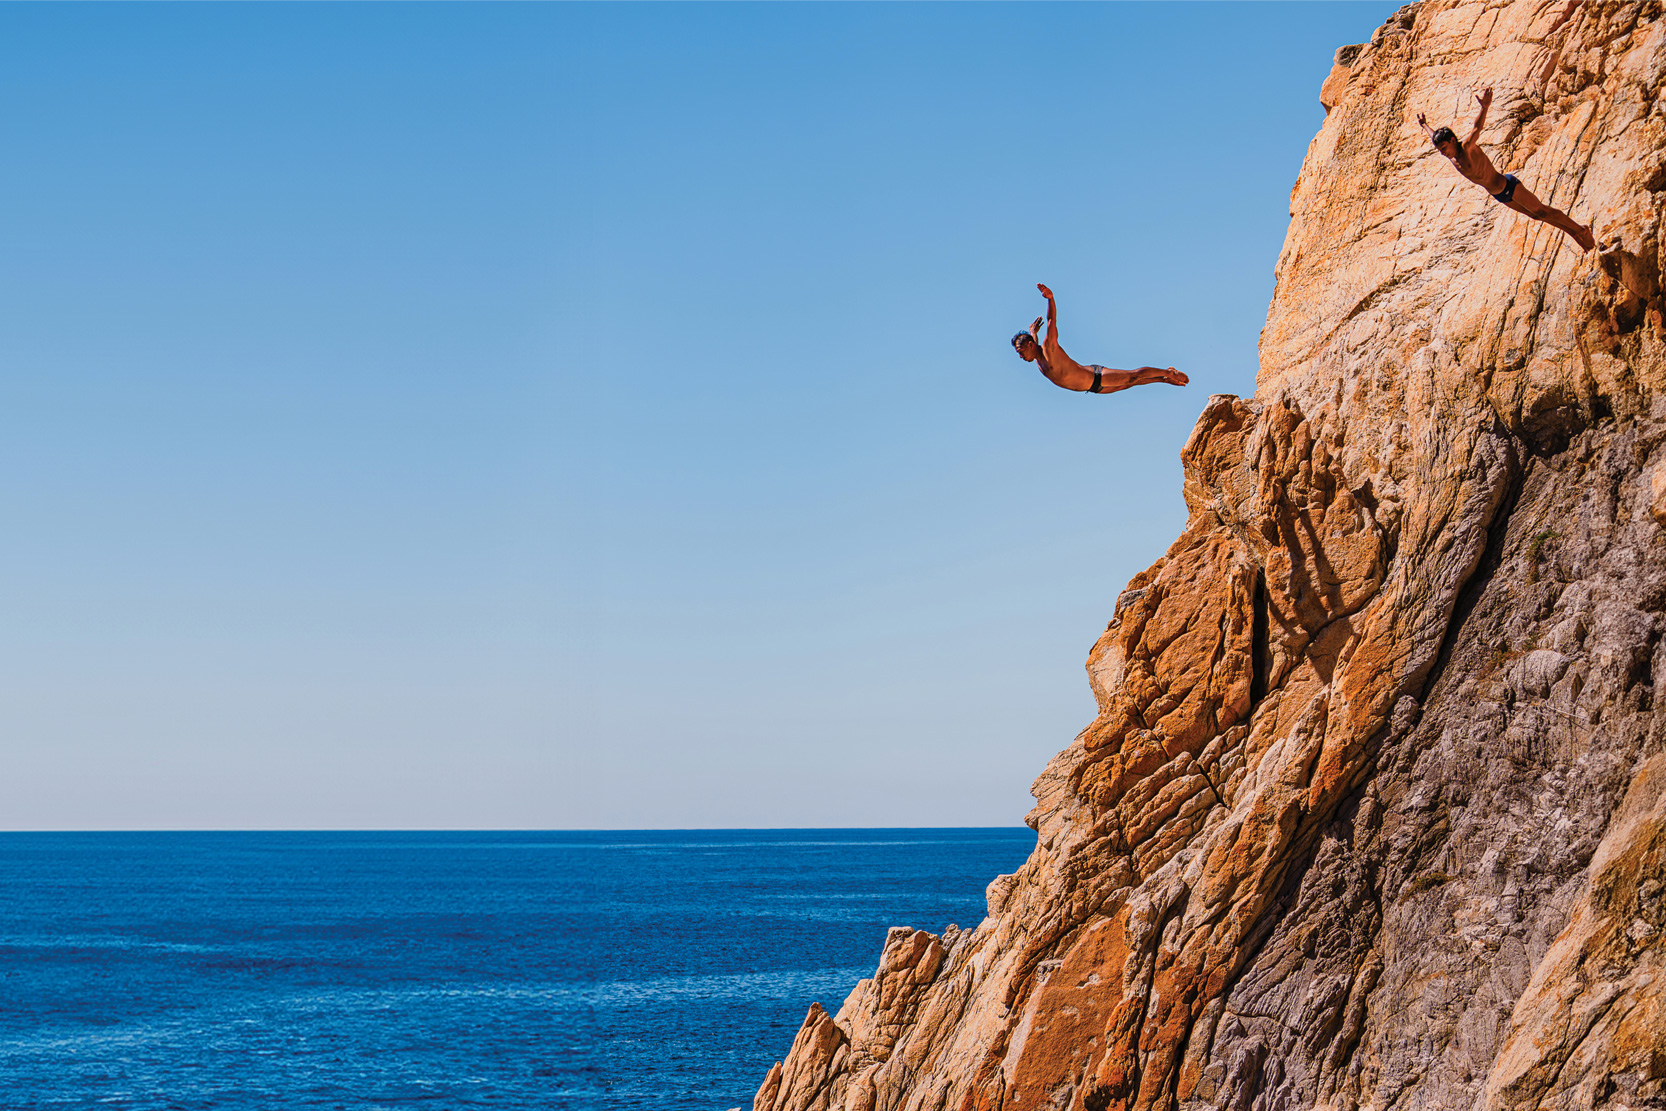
[1175, 377]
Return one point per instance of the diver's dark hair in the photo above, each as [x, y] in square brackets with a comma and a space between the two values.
[1020, 338]
[1444, 135]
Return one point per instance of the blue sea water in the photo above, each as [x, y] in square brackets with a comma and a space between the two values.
[581, 971]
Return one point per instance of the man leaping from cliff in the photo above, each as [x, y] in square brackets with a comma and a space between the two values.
[1062, 370]
[1506, 189]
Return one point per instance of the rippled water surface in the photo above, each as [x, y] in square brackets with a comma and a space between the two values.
[436, 970]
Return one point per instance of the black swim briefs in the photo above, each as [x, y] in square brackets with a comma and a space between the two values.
[1503, 195]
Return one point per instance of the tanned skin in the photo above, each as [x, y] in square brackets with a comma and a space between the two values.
[1062, 370]
[1473, 163]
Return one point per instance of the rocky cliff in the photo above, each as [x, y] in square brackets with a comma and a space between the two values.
[1373, 813]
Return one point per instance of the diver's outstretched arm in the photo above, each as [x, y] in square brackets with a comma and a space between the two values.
[1052, 312]
[1485, 100]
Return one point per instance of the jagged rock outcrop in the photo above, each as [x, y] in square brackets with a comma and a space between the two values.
[1373, 813]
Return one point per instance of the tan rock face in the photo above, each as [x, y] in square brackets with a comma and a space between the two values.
[1373, 813]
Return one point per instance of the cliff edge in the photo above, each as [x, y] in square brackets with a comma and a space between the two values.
[1373, 813]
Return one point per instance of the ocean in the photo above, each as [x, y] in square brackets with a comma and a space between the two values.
[573, 971]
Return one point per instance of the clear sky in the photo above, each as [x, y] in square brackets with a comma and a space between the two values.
[574, 416]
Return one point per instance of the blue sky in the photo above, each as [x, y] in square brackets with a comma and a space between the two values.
[572, 416]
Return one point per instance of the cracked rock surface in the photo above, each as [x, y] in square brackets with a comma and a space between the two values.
[1373, 812]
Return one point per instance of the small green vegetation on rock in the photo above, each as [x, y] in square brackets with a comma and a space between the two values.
[1426, 882]
[1536, 551]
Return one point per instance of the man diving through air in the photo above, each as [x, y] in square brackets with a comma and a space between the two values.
[1062, 370]
[1506, 189]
